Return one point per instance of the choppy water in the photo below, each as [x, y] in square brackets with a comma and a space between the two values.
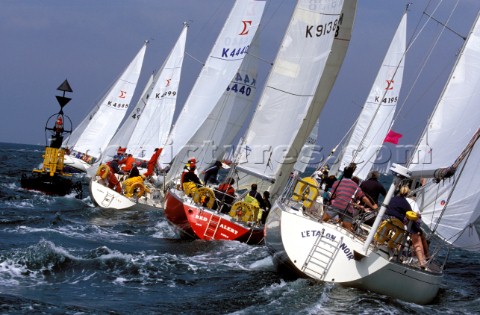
[60, 255]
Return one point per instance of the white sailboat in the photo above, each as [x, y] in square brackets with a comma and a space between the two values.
[91, 137]
[303, 73]
[447, 154]
[145, 129]
[376, 117]
[233, 102]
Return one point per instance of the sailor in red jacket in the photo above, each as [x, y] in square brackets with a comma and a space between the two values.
[153, 161]
[129, 162]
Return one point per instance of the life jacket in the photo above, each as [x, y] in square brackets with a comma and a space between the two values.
[106, 173]
[227, 188]
[128, 163]
[134, 185]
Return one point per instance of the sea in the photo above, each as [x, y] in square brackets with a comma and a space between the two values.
[62, 255]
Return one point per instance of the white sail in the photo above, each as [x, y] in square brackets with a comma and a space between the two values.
[454, 203]
[217, 133]
[306, 155]
[222, 64]
[376, 117]
[94, 133]
[125, 131]
[154, 123]
[297, 88]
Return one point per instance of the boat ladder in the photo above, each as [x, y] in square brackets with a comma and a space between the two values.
[212, 226]
[321, 256]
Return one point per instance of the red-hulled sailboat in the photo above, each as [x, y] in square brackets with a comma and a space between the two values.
[197, 220]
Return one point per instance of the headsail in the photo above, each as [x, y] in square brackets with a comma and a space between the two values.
[376, 117]
[95, 131]
[452, 207]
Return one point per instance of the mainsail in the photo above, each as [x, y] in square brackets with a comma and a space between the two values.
[148, 125]
[376, 117]
[452, 207]
[95, 131]
[296, 90]
[224, 122]
[221, 66]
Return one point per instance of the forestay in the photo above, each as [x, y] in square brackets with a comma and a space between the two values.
[299, 83]
[221, 66]
[94, 133]
[451, 127]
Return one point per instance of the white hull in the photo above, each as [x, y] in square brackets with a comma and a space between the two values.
[78, 164]
[325, 252]
[107, 198]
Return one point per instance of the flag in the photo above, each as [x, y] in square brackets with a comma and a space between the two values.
[393, 137]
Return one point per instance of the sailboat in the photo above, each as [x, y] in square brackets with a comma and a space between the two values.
[368, 258]
[145, 130]
[303, 73]
[88, 141]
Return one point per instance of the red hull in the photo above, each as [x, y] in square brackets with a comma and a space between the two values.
[203, 223]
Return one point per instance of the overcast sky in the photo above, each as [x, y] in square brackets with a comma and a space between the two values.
[90, 42]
